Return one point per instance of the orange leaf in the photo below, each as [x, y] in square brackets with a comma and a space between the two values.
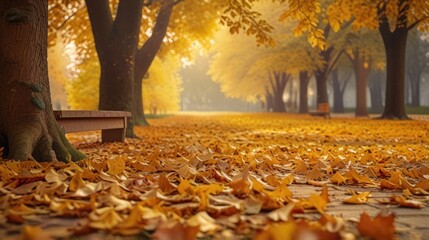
[314, 174]
[403, 202]
[324, 194]
[358, 198]
[34, 233]
[165, 185]
[116, 166]
[338, 179]
[176, 230]
[379, 228]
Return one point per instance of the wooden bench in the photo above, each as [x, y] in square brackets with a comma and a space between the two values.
[111, 123]
[322, 111]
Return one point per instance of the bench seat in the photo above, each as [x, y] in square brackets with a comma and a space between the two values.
[111, 123]
[322, 111]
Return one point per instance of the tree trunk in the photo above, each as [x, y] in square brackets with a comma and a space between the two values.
[414, 76]
[304, 79]
[145, 56]
[321, 87]
[322, 74]
[361, 73]
[338, 94]
[116, 43]
[28, 129]
[278, 85]
[415, 92]
[394, 43]
[269, 100]
[375, 90]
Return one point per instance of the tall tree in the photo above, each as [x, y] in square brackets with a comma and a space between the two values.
[116, 42]
[339, 86]
[130, 72]
[417, 62]
[364, 52]
[393, 19]
[376, 91]
[28, 129]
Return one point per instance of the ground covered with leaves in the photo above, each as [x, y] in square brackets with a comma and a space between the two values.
[227, 176]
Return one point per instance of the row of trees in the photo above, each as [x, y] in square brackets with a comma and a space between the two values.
[354, 45]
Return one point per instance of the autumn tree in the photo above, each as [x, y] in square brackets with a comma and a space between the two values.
[363, 49]
[126, 52]
[339, 84]
[161, 86]
[28, 129]
[393, 19]
[416, 64]
[247, 71]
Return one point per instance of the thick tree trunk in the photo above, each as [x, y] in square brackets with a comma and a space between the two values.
[145, 56]
[362, 74]
[322, 74]
[321, 87]
[375, 90]
[278, 85]
[338, 94]
[394, 43]
[116, 43]
[28, 129]
[304, 79]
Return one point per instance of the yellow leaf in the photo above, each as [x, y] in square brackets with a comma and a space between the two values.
[116, 166]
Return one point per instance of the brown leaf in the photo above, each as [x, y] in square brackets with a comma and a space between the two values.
[34, 233]
[379, 228]
[165, 185]
[175, 230]
[358, 198]
[52, 176]
[403, 202]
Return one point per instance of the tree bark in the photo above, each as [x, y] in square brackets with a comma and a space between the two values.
[116, 43]
[278, 85]
[375, 90]
[145, 56]
[28, 129]
[362, 74]
[338, 94]
[304, 79]
[394, 43]
[414, 77]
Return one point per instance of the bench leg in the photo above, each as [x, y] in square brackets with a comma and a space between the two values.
[113, 135]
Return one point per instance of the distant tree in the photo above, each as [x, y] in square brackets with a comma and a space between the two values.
[417, 62]
[339, 85]
[364, 50]
[393, 19]
[376, 91]
[28, 129]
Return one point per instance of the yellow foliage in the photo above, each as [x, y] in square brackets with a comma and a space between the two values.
[161, 91]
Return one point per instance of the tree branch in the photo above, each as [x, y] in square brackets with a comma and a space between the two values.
[101, 22]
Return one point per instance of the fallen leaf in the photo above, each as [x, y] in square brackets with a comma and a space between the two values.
[379, 228]
[175, 230]
[359, 198]
[34, 233]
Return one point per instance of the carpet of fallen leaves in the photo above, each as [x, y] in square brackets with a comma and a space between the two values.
[222, 176]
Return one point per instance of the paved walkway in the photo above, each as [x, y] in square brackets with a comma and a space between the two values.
[409, 223]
